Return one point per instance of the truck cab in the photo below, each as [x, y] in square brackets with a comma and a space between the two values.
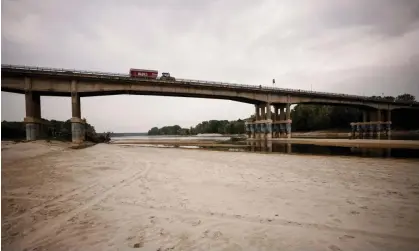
[166, 76]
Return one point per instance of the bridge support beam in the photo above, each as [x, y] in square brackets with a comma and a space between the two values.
[388, 125]
[282, 131]
[275, 118]
[77, 124]
[288, 124]
[279, 123]
[373, 125]
[35, 126]
[257, 118]
[268, 123]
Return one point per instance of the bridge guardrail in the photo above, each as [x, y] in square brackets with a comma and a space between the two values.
[195, 82]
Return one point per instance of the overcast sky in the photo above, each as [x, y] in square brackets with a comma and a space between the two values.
[347, 46]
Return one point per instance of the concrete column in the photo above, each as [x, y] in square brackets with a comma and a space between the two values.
[269, 146]
[77, 125]
[263, 112]
[257, 117]
[268, 111]
[364, 116]
[274, 118]
[281, 118]
[378, 125]
[33, 115]
[75, 105]
[268, 125]
[262, 131]
[388, 123]
[378, 115]
[373, 118]
[288, 125]
[364, 128]
[84, 130]
[256, 128]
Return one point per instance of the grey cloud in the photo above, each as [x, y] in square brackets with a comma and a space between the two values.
[338, 46]
[387, 17]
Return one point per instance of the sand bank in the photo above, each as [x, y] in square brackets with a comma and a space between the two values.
[108, 197]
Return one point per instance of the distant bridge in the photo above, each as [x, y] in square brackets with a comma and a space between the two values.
[39, 81]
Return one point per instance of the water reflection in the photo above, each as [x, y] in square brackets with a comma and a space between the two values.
[277, 147]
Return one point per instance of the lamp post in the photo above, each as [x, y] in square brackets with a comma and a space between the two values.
[273, 82]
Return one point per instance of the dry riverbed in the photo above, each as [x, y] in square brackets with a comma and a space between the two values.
[114, 197]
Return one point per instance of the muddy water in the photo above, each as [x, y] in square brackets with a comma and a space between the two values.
[110, 197]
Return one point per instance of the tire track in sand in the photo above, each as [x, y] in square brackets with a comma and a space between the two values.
[272, 221]
[58, 221]
[66, 196]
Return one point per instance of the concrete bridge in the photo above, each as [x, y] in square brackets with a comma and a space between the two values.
[35, 82]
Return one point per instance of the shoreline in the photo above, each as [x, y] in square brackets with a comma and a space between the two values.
[360, 143]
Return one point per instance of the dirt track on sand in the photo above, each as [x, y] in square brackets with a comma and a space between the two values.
[110, 197]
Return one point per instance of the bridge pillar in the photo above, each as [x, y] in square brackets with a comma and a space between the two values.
[388, 126]
[256, 128]
[374, 122]
[371, 124]
[268, 124]
[263, 112]
[289, 121]
[77, 124]
[282, 131]
[33, 122]
[378, 124]
[364, 126]
[250, 130]
[257, 112]
[275, 126]
[257, 118]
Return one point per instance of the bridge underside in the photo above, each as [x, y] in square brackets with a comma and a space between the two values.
[140, 93]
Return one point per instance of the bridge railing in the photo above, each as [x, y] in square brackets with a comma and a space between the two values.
[194, 82]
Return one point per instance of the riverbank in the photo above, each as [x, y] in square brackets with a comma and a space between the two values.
[107, 197]
[346, 134]
[176, 142]
[362, 143]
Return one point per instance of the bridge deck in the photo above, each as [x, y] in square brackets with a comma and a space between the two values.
[13, 70]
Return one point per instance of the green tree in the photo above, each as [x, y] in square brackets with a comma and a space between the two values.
[406, 97]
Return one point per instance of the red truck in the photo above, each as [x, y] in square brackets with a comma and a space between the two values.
[141, 73]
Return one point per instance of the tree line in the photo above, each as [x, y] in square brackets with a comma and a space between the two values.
[211, 126]
[53, 129]
[305, 117]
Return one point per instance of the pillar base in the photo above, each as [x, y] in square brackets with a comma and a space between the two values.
[32, 131]
[288, 128]
[35, 128]
[77, 130]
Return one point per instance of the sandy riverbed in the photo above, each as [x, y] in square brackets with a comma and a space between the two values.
[112, 197]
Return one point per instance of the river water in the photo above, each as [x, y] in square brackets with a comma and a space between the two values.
[277, 147]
